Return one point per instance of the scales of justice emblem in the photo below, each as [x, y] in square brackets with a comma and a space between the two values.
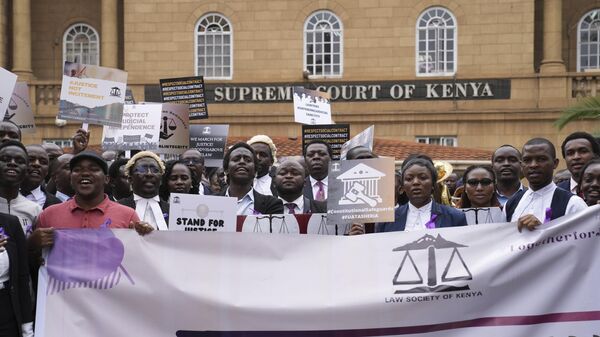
[455, 270]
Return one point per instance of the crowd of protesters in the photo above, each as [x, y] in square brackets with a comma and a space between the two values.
[43, 189]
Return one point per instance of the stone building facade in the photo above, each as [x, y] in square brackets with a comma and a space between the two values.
[370, 54]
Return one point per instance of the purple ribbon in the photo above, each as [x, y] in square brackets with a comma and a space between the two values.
[106, 223]
[2, 233]
[431, 223]
[255, 212]
[548, 215]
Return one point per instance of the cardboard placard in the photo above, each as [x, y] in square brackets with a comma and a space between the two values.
[92, 94]
[311, 107]
[19, 109]
[140, 129]
[361, 191]
[7, 86]
[365, 138]
[186, 90]
[334, 134]
[192, 213]
[210, 140]
[174, 129]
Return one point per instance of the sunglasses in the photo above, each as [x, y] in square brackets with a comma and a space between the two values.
[484, 182]
[145, 169]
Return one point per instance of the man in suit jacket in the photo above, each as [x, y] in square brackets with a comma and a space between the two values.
[266, 152]
[289, 181]
[239, 164]
[317, 155]
[577, 150]
[442, 216]
[16, 287]
[32, 186]
[145, 170]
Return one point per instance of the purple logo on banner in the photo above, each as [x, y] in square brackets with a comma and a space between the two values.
[85, 259]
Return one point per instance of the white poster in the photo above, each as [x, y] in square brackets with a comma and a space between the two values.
[202, 213]
[140, 129]
[467, 281]
[7, 86]
[19, 109]
[312, 106]
[92, 94]
[365, 138]
[174, 128]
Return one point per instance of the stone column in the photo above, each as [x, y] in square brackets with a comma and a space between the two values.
[109, 39]
[22, 39]
[552, 60]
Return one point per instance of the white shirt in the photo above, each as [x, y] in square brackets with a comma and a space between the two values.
[417, 217]
[262, 185]
[315, 187]
[536, 203]
[38, 196]
[299, 209]
[573, 186]
[26, 210]
[4, 265]
[62, 197]
[148, 210]
[245, 205]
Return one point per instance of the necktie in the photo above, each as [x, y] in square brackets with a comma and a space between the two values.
[321, 192]
[291, 207]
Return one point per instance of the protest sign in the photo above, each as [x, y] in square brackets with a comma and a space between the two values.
[92, 94]
[485, 215]
[174, 129]
[129, 99]
[19, 109]
[311, 106]
[361, 191]
[186, 90]
[335, 135]
[365, 138]
[467, 281]
[7, 86]
[210, 140]
[140, 129]
[193, 213]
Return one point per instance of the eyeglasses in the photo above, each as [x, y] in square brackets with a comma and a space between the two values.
[146, 169]
[484, 182]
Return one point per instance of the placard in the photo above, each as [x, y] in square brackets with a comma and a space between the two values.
[311, 107]
[7, 86]
[485, 215]
[334, 134]
[129, 99]
[140, 129]
[365, 138]
[19, 109]
[210, 140]
[202, 213]
[174, 129]
[186, 90]
[361, 191]
[92, 94]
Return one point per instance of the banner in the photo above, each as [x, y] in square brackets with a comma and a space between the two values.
[210, 140]
[471, 281]
[140, 130]
[185, 90]
[174, 129]
[92, 94]
[19, 109]
[311, 107]
[334, 134]
[478, 216]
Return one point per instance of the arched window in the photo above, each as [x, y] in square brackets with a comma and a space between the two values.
[436, 43]
[81, 44]
[588, 41]
[214, 50]
[323, 44]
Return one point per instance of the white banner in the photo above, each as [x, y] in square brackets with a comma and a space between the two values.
[471, 281]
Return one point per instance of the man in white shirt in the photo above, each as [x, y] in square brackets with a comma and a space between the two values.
[543, 201]
[317, 155]
[266, 152]
[577, 150]
[31, 187]
[61, 174]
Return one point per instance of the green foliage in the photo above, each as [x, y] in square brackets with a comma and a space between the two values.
[587, 108]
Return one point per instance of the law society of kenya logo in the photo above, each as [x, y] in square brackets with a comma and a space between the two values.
[412, 278]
